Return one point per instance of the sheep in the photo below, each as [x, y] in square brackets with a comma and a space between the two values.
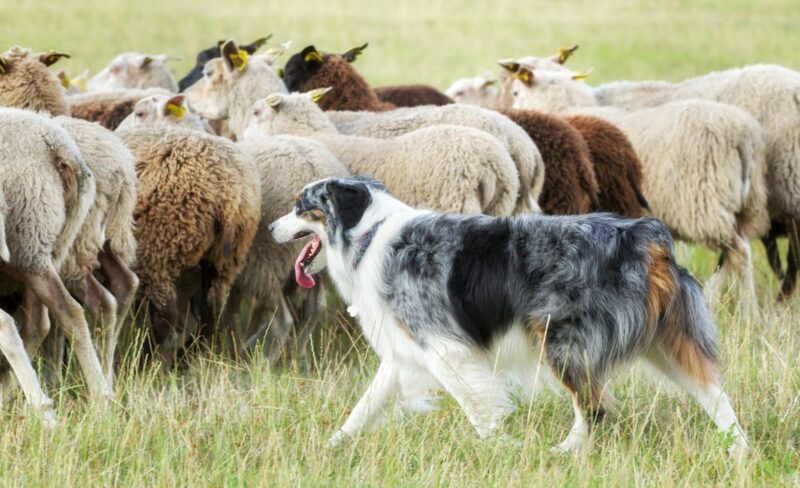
[73, 85]
[615, 162]
[285, 164]
[108, 108]
[105, 242]
[357, 95]
[207, 55]
[14, 350]
[49, 191]
[197, 206]
[703, 163]
[25, 81]
[165, 109]
[411, 95]
[134, 71]
[769, 93]
[232, 83]
[448, 168]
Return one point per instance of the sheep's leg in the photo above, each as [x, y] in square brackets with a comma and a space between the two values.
[70, 318]
[14, 351]
[102, 306]
[162, 332]
[257, 325]
[736, 263]
[279, 329]
[770, 242]
[231, 316]
[793, 260]
[37, 334]
[122, 283]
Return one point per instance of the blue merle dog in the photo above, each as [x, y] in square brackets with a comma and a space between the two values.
[477, 305]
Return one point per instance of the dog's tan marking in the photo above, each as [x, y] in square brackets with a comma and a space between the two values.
[661, 285]
[405, 328]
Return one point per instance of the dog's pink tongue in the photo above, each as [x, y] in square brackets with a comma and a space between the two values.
[303, 279]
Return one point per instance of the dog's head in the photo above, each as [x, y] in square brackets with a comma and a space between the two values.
[326, 211]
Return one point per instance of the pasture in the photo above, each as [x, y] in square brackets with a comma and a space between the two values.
[217, 422]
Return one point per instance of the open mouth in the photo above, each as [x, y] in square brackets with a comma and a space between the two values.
[305, 259]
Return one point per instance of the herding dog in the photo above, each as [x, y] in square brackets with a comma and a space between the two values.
[470, 302]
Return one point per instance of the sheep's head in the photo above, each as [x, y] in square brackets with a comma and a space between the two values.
[207, 55]
[552, 63]
[294, 113]
[479, 90]
[301, 67]
[225, 84]
[135, 70]
[25, 81]
[548, 91]
[161, 108]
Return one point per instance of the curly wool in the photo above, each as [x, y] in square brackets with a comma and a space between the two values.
[198, 198]
[412, 95]
[570, 186]
[47, 186]
[616, 165]
[28, 84]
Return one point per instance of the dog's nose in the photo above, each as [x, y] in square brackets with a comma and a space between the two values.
[271, 227]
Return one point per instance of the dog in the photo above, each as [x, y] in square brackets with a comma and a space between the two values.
[473, 304]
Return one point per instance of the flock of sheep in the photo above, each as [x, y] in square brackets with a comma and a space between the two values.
[119, 189]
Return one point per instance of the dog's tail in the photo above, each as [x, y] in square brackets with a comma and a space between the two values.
[686, 329]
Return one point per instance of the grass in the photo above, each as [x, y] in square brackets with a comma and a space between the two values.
[219, 423]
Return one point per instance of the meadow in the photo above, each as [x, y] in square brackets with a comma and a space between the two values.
[217, 422]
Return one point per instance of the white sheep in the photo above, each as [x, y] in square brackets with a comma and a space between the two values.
[703, 164]
[49, 191]
[170, 109]
[517, 142]
[232, 83]
[445, 167]
[135, 70]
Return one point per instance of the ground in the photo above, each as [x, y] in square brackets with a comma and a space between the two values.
[218, 423]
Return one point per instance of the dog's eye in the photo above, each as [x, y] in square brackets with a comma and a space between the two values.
[324, 199]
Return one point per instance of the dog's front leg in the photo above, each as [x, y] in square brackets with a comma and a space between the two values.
[371, 408]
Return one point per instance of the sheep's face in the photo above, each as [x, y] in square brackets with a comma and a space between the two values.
[294, 113]
[134, 70]
[301, 67]
[26, 83]
[549, 91]
[161, 109]
[480, 90]
[209, 95]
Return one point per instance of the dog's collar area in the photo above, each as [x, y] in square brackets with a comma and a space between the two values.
[364, 241]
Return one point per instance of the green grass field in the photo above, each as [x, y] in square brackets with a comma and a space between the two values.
[219, 423]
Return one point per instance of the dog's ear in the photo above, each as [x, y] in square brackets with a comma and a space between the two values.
[350, 199]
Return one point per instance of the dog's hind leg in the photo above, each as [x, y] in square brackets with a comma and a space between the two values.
[696, 377]
[480, 391]
[371, 408]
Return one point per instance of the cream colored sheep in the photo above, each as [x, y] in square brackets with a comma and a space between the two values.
[169, 109]
[134, 70]
[703, 162]
[443, 167]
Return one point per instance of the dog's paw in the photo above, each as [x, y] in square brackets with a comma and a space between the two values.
[336, 439]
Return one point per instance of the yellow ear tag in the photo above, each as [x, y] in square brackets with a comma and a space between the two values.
[176, 111]
[239, 60]
[2, 66]
[81, 83]
[523, 76]
[317, 97]
[279, 72]
[580, 76]
[64, 79]
[313, 55]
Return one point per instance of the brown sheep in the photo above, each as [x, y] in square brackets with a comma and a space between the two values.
[616, 165]
[198, 205]
[108, 109]
[412, 95]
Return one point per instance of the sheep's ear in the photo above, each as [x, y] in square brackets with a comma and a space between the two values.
[488, 82]
[256, 45]
[317, 93]
[3, 66]
[525, 75]
[279, 73]
[564, 53]
[49, 58]
[354, 53]
[175, 107]
[509, 64]
[234, 57]
[581, 75]
[311, 56]
[146, 61]
[272, 54]
[274, 101]
[63, 79]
